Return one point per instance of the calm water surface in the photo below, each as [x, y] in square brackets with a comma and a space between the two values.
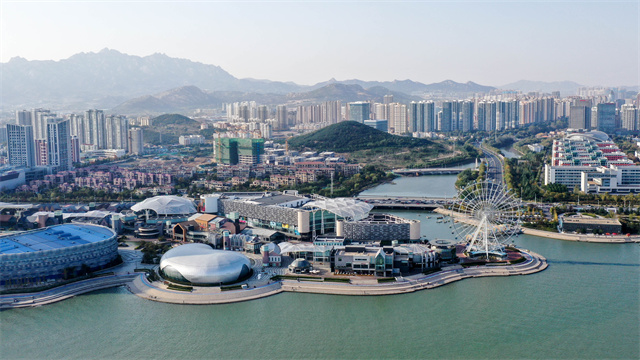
[584, 306]
[427, 186]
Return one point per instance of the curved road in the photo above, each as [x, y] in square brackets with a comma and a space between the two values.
[495, 169]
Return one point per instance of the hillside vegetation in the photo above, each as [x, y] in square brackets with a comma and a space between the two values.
[368, 145]
[172, 119]
[349, 136]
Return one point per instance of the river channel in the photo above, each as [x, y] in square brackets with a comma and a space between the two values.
[584, 306]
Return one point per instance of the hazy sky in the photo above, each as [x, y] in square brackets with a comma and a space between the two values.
[491, 43]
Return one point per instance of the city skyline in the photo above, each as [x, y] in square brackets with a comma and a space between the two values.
[492, 43]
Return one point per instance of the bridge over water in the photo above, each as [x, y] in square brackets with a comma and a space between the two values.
[430, 171]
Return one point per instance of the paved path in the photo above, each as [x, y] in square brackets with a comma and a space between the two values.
[63, 292]
[608, 239]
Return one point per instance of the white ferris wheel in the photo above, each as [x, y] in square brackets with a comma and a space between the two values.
[491, 216]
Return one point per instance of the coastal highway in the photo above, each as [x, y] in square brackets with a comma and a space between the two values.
[495, 169]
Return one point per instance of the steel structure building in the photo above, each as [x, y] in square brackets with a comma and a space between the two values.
[53, 252]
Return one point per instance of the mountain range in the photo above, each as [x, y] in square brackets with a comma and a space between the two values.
[187, 98]
[110, 79]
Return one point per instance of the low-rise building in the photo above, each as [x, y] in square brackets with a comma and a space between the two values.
[589, 224]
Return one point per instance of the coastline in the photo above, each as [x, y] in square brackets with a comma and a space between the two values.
[138, 285]
[360, 287]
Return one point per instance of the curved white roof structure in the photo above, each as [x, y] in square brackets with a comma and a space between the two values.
[166, 205]
[596, 135]
[346, 208]
[201, 264]
[287, 247]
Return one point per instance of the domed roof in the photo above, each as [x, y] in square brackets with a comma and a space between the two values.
[166, 205]
[300, 263]
[201, 264]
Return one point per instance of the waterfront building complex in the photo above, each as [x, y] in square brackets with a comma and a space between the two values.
[591, 162]
[305, 217]
[53, 252]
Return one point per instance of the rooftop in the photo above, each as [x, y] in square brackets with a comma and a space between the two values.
[590, 220]
[54, 237]
[279, 199]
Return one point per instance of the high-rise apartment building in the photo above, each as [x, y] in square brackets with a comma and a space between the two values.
[580, 115]
[39, 119]
[281, 117]
[59, 144]
[445, 120]
[398, 118]
[23, 117]
[42, 152]
[629, 117]
[94, 129]
[116, 132]
[75, 149]
[430, 123]
[20, 145]
[136, 141]
[467, 115]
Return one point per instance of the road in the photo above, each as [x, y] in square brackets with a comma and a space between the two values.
[495, 169]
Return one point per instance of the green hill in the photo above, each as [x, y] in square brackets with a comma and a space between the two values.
[350, 136]
[172, 119]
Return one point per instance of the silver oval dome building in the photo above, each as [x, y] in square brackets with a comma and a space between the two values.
[200, 264]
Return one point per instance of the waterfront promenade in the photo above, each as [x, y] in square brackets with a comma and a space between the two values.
[63, 292]
[360, 286]
[607, 239]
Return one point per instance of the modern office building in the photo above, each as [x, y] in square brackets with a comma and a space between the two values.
[59, 144]
[20, 145]
[54, 252]
[381, 125]
[359, 111]
[607, 117]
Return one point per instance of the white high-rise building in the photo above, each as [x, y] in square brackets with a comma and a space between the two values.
[59, 144]
[116, 132]
[20, 145]
[398, 118]
[136, 141]
[629, 117]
